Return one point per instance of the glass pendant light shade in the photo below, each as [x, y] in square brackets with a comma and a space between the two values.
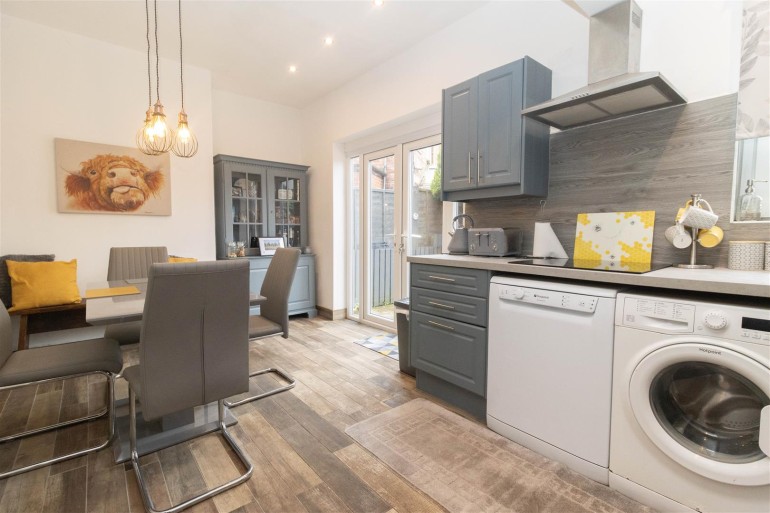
[185, 142]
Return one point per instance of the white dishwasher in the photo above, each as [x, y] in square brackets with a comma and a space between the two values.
[549, 373]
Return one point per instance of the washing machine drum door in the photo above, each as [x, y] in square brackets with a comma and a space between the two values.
[702, 405]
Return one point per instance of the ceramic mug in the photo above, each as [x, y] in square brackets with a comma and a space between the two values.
[710, 237]
[697, 217]
[678, 236]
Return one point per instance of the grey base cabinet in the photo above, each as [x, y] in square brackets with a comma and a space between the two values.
[489, 149]
[448, 333]
[302, 294]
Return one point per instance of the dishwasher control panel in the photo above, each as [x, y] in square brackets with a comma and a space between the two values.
[548, 298]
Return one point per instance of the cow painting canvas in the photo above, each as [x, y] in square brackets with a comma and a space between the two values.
[104, 179]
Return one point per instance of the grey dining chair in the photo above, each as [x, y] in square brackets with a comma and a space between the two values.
[273, 318]
[131, 263]
[53, 363]
[194, 350]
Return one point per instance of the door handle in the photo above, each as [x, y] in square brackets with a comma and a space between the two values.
[478, 166]
[764, 430]
[450, 328]
[469, 167]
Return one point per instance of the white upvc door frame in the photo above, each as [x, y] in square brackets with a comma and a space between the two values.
[406, 194]
[365, 314]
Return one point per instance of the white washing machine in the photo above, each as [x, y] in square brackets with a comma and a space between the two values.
[690, 423]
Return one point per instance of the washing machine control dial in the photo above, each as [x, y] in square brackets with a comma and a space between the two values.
[715, 320]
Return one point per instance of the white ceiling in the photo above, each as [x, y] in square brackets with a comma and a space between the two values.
[248, 45]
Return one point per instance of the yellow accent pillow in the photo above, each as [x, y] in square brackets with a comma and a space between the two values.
[36, 284]
[179, 260]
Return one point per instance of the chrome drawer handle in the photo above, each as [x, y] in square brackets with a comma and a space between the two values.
[450, 328]
[440, 278]
[449, 307]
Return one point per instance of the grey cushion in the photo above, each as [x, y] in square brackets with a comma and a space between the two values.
[5, 280]
[261, 327]
[61, 360]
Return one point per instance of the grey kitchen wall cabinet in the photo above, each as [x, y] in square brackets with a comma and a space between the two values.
[448, 333]
[489, 149]
[259, 198]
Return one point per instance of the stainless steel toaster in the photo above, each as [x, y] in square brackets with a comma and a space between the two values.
[494, 241]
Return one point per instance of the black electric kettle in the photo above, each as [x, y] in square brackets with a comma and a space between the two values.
[459, 243]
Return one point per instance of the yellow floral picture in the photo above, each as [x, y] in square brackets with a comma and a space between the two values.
[614, 240]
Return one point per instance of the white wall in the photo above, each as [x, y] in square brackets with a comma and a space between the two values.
[694, 43]
[56, 84]
[246, 127]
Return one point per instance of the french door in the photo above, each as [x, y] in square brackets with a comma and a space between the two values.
[395, 211]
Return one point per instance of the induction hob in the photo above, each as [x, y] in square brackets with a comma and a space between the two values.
[594, 265]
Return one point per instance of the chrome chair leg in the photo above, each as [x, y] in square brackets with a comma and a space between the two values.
[110, 408]
[148, 503]
[282, 374]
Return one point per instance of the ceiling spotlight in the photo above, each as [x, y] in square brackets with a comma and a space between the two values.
[292, 69]
[378, 3]
[328, 40]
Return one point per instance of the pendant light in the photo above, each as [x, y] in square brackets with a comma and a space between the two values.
[185, 143]
[145, 133]
[156, 136]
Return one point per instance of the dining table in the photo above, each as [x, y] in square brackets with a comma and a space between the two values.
[122, 301]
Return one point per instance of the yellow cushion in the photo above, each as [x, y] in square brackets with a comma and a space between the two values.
[178, 259]
[36, 284]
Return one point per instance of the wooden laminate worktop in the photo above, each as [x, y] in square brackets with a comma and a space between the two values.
[717, 281]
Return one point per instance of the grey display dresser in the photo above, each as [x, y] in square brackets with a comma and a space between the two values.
[259, 198]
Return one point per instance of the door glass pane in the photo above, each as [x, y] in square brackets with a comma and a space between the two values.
[425, 203]
[381, 235]
[355, 237]
[287, 210]
[711, 410]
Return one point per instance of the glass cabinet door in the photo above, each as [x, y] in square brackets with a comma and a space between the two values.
[286, 192]
[247, 207]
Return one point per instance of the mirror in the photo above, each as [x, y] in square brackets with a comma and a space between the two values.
[751, 180]
[751, 199]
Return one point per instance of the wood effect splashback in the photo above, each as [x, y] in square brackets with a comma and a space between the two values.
[651, 161]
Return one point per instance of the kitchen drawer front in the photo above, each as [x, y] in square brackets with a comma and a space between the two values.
[457, 307]
[471, 282]
[453, 351]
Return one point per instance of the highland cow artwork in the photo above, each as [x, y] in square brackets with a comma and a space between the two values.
[103, 179]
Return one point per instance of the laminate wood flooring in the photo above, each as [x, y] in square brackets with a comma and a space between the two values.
[303, 460]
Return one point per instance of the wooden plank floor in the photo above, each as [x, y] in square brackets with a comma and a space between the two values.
[304, 462]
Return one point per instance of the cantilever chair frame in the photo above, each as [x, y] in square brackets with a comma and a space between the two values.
[148, 502]
[283, 253]
[109, 409]
[291, 381]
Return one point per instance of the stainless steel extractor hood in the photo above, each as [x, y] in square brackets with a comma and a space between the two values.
[616, 88]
